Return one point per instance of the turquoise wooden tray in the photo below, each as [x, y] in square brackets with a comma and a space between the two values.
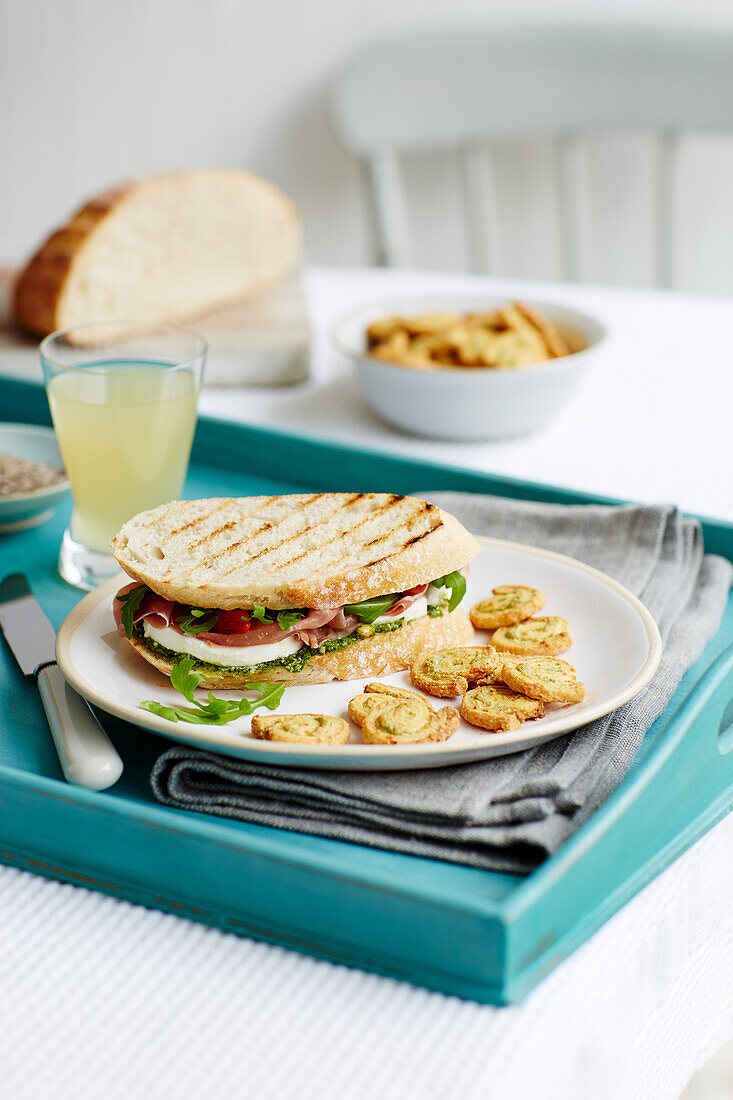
[472, 933]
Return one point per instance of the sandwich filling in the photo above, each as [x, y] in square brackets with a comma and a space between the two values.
[254, 639]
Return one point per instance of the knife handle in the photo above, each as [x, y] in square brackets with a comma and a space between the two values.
[87, 756]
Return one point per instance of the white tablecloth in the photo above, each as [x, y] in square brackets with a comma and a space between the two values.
[102, 999]
[650, 421]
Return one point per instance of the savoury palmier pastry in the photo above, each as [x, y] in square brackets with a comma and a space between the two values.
[547, 678]
[319, 729]
[408, 721]
[543, 635]
[375, 696]
[496, 707]
[509, 604]
[450, 671]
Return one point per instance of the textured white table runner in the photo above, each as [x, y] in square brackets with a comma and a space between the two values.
[104, 999]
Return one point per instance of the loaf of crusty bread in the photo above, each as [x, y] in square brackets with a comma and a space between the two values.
[168, 248]
[295, 550]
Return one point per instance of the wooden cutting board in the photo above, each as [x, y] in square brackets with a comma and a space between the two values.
[264, 341]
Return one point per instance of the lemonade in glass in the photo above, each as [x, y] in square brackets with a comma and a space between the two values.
[123, 399]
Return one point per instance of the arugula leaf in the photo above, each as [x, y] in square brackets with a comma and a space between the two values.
[216, 706]
[183, 678]
[131, 601]
[457, 584]
[369, 610]
[286, 619]
[199, 621]
[215, 711]
[176, 714]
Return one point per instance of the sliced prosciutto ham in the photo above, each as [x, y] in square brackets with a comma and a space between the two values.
[318, 626]
[312, 630]
[406, 600]
[156, 610]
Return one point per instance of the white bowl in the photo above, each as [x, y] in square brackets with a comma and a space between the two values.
[28, 509]
[467, 403]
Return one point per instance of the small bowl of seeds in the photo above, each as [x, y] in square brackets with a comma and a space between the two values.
[32, 477]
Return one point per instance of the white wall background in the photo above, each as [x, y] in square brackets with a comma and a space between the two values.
[94, 91]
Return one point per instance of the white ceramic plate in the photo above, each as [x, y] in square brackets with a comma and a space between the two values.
[21, 510]
[616, 651]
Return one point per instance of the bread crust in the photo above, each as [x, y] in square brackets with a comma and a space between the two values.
[240, 552]
[39, 287]
[379, 655]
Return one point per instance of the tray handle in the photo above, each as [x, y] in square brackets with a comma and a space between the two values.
[709, 708]
[682, 788]
[687, 776]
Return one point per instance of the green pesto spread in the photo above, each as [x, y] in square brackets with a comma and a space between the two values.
[294, 662]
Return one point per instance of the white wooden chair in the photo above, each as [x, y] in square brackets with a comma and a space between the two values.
[469, 90]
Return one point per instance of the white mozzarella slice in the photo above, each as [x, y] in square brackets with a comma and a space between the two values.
[437, 596]
[236, 655]
[415, 611]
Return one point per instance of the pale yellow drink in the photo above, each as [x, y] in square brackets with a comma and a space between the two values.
[125, 432]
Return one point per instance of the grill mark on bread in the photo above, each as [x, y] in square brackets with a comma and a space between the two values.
[404, 546]
[347, 503]
[304, 531]
[393, 500]
[168, 511]
[348, 533]
[199, 519]
[359, 564]
[416, 538]
[409, 521]
[227, 526]
[232, 545]
[206, 563]
[217, 531]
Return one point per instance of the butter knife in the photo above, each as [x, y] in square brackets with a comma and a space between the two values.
[87, 756]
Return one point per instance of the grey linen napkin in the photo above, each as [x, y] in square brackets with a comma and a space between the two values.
[509, 813]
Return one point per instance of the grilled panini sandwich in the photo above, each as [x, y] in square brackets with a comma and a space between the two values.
[300, 588]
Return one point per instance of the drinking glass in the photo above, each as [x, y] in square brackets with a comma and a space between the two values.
[123, 399]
